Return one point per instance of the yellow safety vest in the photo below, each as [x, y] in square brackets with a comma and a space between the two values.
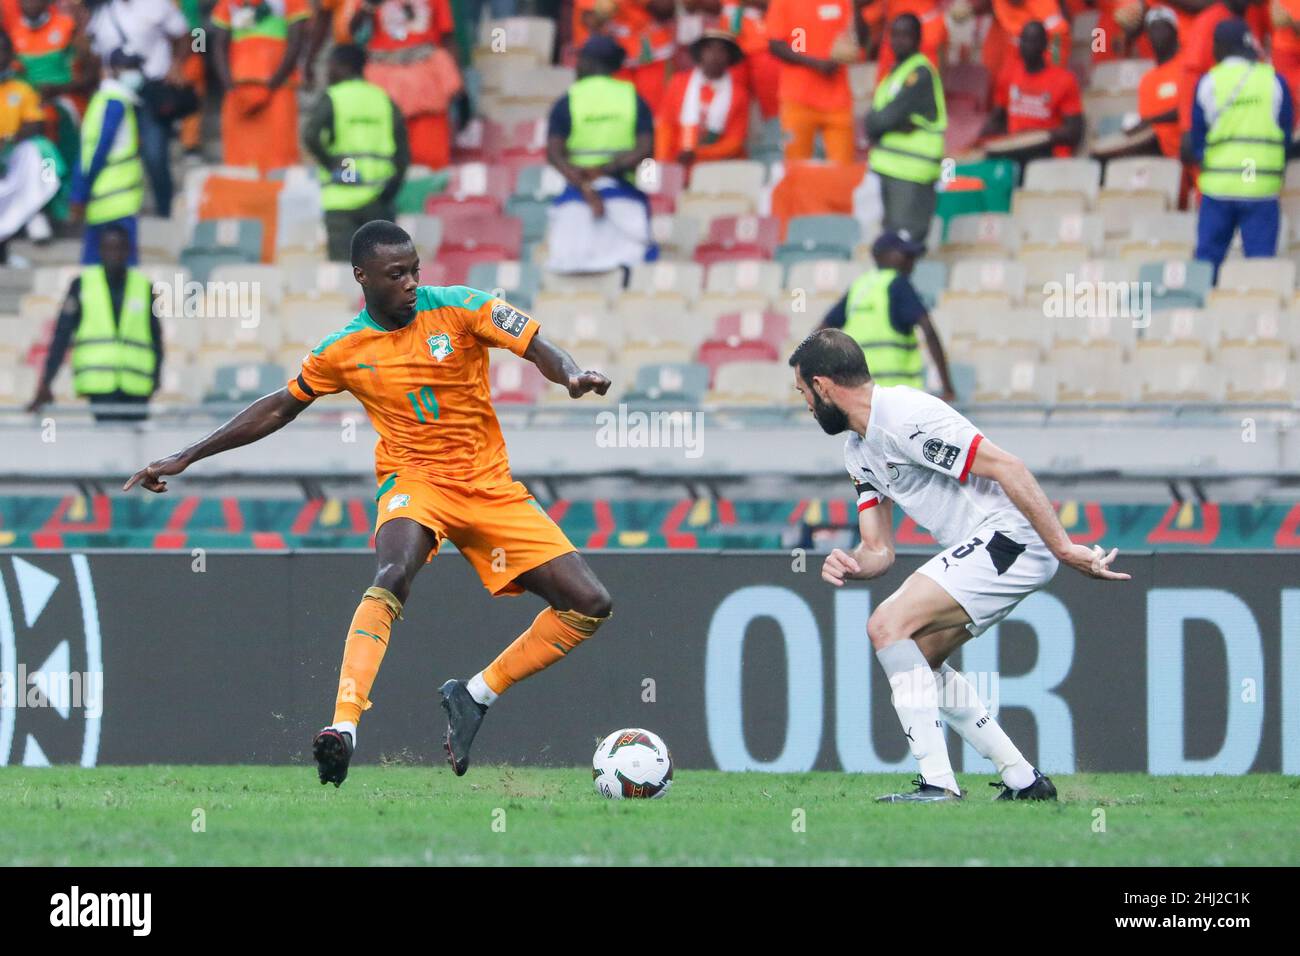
[892, 358]
[914, 156]
[118, 190]
[363, 141]
[602, 121]
[1245, 155]
[109, 354]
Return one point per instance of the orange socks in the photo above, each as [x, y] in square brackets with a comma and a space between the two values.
[363, 652]
[552, 635]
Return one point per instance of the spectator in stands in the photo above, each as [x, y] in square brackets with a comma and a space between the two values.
[45, 39]
[1158, 89]
[108, 185]
[1241, 130]
[1033, 94]
[156, 32]
[1198, 49]
[880, 15]
[647, 30]
[597, 135]
[357, 134]
[906, 127]
[194, 69]
[747, 22]
[815, 39]
[882, 311]
[705, 113]
[411, 54]
[1010, 17]
[25, 184]
[255, 51]
[110, 321]
[1285, 15]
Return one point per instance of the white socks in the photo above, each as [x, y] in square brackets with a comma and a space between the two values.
[348, 727]
[965, 713]
[915, 697]
[480, 691]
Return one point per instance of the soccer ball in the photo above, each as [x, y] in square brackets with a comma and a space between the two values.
[632, 764]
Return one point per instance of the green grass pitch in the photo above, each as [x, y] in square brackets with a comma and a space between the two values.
[509, 815]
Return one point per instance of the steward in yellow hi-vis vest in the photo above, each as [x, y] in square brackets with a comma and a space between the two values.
[882, 311]
[109, 322]
[1242, 116]
[358, 136]
[906, 126]
[597, 136]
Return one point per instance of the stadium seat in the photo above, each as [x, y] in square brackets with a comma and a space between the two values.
[1046, 264]
[1175, 373]
[823, 276]
[1028, 206]
[17, 383]
[659, 320]
[715, 353]
[770, 327]
[201, 264]
[1138, 175]
[1252, 328]
[1094, 372]
[1118, 76]
[762, 234]
[683, 278]
[1182, 327]
[675, 235]
[988, 276]
[1258, 275]
[1011, 374]
[836, 235]
[708, 207]
[750, 383]
[514, 381]
[678, 383]
[662, 183]
[533, 216]
[981, 235]
[425, 232]
[244, 382]
[1177, 284]
[1115, 322]
[517, 281]
[502, 234]
[1074, 176]
[1257, 373]
[534, 36]
[727, 177]
[159, 239]
[1067, 231]
[539, 182]
[751, 276]
[241, 237]
[605, 284]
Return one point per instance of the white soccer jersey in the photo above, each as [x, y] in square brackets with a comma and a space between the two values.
[918, 452]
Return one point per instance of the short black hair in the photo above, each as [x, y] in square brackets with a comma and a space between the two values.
[351, 56]
[831, 354]
[911, 21]
[376, 233]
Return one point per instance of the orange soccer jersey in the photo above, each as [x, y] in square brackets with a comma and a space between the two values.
[441, 459]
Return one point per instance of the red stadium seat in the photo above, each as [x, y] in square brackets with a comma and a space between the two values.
[459, 262]
[763, 231]
[707, 253]
[662, 182]
[735, 327]
[449, 208]
[515, 382]
[715, 353]
[478, 232]
[471, 180]
[527, 138]
[480, 141]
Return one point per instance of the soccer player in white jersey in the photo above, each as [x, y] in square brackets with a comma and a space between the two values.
[1001, 541]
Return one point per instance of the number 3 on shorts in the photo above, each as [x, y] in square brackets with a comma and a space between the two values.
[425, 402]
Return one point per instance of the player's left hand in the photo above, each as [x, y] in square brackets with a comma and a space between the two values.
[587, 381]
[1094, 562]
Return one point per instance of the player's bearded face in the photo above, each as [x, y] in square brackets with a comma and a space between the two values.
[830, 416]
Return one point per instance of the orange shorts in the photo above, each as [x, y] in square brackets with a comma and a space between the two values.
[502, 532]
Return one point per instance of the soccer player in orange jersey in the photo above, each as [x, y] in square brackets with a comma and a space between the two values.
[417, 358]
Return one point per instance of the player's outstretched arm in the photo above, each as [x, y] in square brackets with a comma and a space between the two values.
[267, 414]
[873, 556]
[559, 367]
[1027, 495]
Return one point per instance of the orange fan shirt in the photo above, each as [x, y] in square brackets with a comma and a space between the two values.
[425, 385]
[257, 43]
[1037, 100]
[811, 27]
[1157, 95]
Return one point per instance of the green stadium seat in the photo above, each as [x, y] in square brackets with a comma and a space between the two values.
[244, 382]
[416, 192]
[518, 281]
[682, 383]
[1177, 285]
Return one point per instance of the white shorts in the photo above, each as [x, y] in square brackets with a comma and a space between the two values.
[990, 574]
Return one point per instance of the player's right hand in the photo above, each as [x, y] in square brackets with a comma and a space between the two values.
[150, 476]
[838, 566]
